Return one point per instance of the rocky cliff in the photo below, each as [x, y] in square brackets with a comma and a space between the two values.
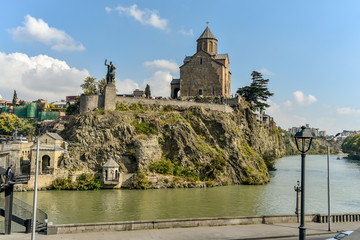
[169, 146]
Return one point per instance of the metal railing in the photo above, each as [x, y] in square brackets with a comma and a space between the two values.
[24, 211]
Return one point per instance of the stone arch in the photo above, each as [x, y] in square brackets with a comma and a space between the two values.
[176, 93]
[45, 163]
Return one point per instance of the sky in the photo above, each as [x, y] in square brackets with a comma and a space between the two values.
[310, 50]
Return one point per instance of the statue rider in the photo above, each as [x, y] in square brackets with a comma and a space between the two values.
[110, 76]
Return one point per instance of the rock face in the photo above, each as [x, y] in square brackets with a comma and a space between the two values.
[168, 147]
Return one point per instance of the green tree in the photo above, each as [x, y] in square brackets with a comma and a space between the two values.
[351, 145]
[147, 91]
[257, 93]
[73, 109]
[22, 103]
[89, 86]
[14, 98]
[101, 85]
[10, 122]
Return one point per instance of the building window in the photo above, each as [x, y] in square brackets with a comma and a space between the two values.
[200, 92]
[200, 60]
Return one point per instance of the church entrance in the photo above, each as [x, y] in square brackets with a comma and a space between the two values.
[176, 93]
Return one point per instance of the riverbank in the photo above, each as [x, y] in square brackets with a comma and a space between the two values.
[240, 232]
[53, 229]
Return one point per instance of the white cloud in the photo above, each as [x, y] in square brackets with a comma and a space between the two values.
[265, 71]
[146, 16]
[39, 77]
[163, 65]
[288, 104]
[38, 30]
[187, 33]
[301, 99]
[159, 83]
[108, 9]
[348, 111]
[126, 86]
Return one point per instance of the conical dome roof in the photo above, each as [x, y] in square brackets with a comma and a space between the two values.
[207, 34]
[111, 163]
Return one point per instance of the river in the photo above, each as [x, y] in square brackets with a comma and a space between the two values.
[277, 197]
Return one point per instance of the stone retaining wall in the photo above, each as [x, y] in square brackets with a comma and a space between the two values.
[172, 223]
[215, 107]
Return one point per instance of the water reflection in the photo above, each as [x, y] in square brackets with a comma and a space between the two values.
[277, 197]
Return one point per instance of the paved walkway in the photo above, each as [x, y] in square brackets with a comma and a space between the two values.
[235, 232]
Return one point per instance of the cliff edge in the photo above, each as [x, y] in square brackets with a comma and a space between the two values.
[171, 146]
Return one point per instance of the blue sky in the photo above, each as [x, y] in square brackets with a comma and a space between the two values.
[310, 50]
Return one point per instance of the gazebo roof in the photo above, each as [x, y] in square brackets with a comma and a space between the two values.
[111, 163]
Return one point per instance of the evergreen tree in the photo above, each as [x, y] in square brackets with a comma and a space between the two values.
[257, 93]
[14, 98]
[147, 91]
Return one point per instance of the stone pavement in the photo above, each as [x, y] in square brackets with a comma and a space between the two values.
[235, 232]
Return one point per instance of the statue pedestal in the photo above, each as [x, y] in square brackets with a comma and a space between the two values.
[110, 96]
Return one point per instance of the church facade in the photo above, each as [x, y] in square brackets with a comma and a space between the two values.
[206, 73]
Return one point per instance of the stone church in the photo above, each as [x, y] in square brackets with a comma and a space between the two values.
[206, 73]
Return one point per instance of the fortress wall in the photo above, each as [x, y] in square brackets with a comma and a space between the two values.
[88, 102]
[215, 107]
[101, 101]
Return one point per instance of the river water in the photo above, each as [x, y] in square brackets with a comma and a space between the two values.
[277, 197]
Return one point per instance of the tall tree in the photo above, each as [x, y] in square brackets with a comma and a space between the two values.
[147, 91]
[89, 86]
[101, 85]
[257, 93]
[14, 101]
[10, 122]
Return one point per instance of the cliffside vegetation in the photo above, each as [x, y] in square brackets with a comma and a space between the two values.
[351, 145]
[86, 181]
[169, 146]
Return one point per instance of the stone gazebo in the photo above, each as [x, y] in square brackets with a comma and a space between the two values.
[111, 174]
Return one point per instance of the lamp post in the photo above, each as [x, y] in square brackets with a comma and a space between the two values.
[303, 140]
[328, 179]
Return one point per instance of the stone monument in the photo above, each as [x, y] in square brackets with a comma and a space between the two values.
[110, 89]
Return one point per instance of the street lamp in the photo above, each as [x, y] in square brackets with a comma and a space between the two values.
[328, 178]
[303, 140]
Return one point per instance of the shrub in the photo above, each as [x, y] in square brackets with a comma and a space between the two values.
[144, 127]
[163, 166]
[122, 107]
[86, 181]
